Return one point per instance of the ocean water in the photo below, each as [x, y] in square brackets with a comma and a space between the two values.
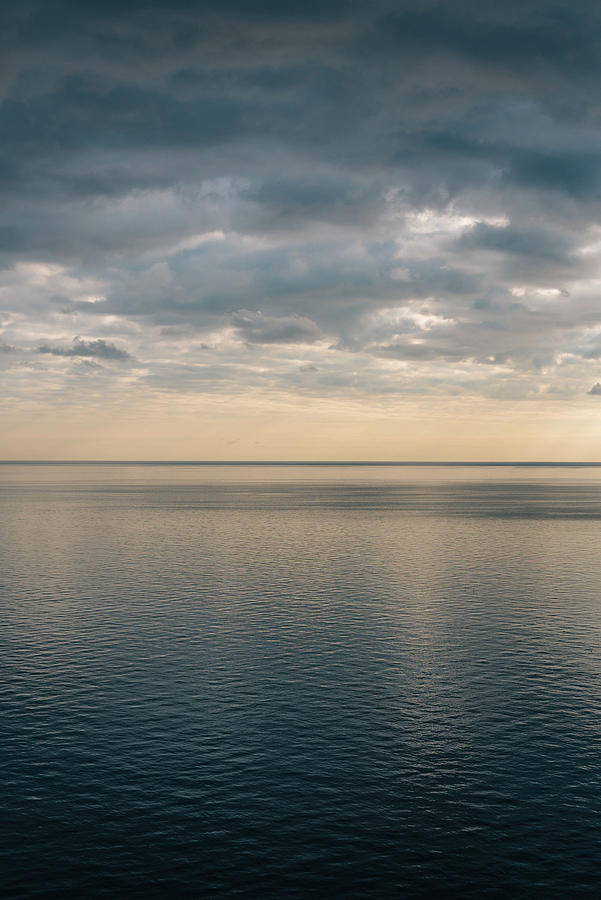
[300, 682]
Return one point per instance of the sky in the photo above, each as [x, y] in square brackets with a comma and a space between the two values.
[257, 229]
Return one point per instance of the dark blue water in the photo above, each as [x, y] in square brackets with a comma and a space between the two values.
[300, 682]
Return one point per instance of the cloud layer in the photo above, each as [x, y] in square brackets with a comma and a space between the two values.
[327, 199]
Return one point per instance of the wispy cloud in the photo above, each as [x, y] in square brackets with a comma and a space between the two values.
[99, 348]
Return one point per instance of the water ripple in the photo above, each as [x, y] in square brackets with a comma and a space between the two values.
[309, 685]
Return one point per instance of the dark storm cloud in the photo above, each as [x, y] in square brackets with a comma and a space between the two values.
[537, 243]
[336, 174]
[150, 76]
[575, 173]
[287, 203]
[495, 36]
[100, 348]
[10, 239]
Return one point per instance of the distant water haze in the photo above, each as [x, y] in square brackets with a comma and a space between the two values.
[294, 681]
[249, 427]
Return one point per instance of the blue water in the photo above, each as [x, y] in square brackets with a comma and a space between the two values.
[298, 682]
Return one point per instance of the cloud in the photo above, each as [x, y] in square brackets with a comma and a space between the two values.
[256, 328]
[534, 243]
[596, 389]
[278, 203]
[489, 37]
[406, 188]
[100, 349]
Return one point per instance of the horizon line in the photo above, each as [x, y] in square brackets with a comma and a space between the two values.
[297, 462]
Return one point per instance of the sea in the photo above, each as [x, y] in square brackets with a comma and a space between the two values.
[298, 681]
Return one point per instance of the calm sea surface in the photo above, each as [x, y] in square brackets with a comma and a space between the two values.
[300, 682]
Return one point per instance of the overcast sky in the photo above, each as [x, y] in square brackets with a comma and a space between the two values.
[300, 229]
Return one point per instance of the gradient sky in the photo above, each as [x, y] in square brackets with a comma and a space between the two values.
[300, 230]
